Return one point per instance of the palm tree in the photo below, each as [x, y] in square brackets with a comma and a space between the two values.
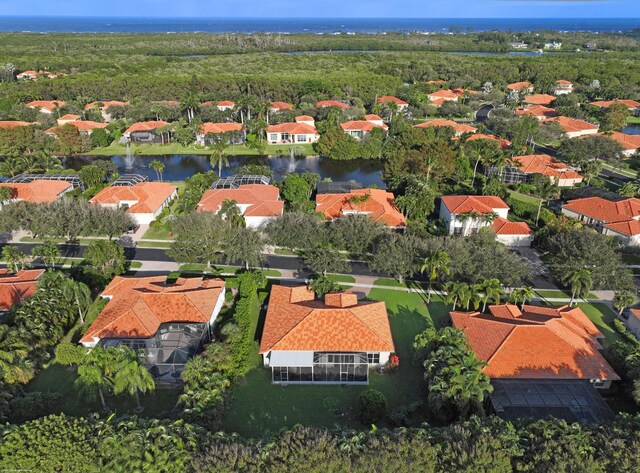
[158, 167]
[623, 299]
[189, 103]
[457, 293]
[523, 294]
[231, 213]
[92, 378]
[132, 377]
[490, 289]
[218, 158]
[434, 262]
[15, 259]
[545, 190]
[580, 281]
[482, 150]
[80, 294]
[48, 252]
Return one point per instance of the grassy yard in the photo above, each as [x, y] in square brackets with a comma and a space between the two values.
[550, 294]
[528, 199]
[176, 148]
[153, 244]
[259, 408]
[633, 120]
[157, 234]
[602, 316]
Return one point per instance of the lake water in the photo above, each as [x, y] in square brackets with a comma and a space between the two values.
[179, 167]
[632, 129]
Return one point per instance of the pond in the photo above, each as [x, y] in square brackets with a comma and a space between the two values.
[633, 129]
[179, 167]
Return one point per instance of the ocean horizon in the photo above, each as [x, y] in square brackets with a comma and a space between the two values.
[61, 24]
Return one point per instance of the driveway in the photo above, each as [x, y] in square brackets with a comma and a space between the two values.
[541, 276]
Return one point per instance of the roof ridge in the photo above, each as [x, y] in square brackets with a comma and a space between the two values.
[350, 309]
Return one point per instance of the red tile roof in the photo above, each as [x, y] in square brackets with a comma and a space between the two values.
[440, 81]
[138, 306]
[563, 82]
[502, 226]
[539, 99]
[293, 129]
[391, 98]
[81, 125]
[572, 125]
[442, 94]
[628, 142]
[281, 105]
[304, 118]
[331, 103]
[607, 211]
[13, 124]
[148, 196]
[17, 287]
[38, 191]
[380, 206]
[295, 321]
[145, 126]
[226, 103]
[363, 125]
[536, 111]
[545, 165]
[458, 128]
[105, 104]
[49, 105]
[539, 343]
[216, 128]
[519, 86]
[609, 103]
[370, 117]
[482, 204]
[263, 200]
[503, 143]
[69, 117]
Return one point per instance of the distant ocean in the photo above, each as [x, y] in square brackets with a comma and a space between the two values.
[41, 24]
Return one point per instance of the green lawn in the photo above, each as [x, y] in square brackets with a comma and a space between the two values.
[558, 294]
[157, 234]
[284, 252]
[259, 408]
[633, 120]
[56, 378]
[393, 283]
[153, 244]
[524, 198]
[602, 316]
[176, 148]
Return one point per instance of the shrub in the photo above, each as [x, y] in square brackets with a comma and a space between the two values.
[34, 405]
[68, 354]
[371, 406]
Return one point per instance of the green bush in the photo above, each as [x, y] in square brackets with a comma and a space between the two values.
[34, 405]
[371, 406]
[68, 354]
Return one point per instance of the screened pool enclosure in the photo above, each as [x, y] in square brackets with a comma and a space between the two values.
[322, 367]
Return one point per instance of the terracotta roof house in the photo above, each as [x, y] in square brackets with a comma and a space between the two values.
[526, 87]
[436, 82]
[168, 322]
[574, 128]
[306, 119]
[458, 128]
[235, 130]
[167, 103]
[6, 124]
[27, 75]
[17, 287]
[466, 214]
[632, 105]
[402, 105]
[334, 341]
[225, 105]
[441, 96]
[38, 191]
[620, 219]
[630, 143]
[258, 203]
[502, 142]
[377, 204]
[539, 99]
[69, 117]
[143, 201]
[539, 111]
[559, 173]
[539, 342]
[359, 129]
[331, 103]
[144, 132]
[285, 133]
[280, 106]
[633, 322]
[46, 106]
[105, 104]
[83, 126]
[563, 87]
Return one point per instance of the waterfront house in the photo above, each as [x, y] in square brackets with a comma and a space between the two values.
[632, 105]
[334, 341]
[359, 129]
[85, 127]
[292, 133]
[37, 191]
[378, 204]
[145, 132]
[573, 127]
[560, 173]
[232, 131]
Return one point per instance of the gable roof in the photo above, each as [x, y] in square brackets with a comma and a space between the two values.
[573, 125]
[604, 210]
[545, 165]
[281, 105]
[443, 94]
[536, 111]
[541, 342]
[563, 82]
[628, 142]
[145, 126]
[502, 226]
[609, 103]
[391, 98]
[502, 142]
[482, 204]
[293, 129]
[80, 125]
[69, 117]
[380, 206]
[105, 104]
[519, 85]
[331, 103]
[38, 191]
[49, 105]
[217, 128]
[295, 321]
[539, 99]
[458, 128]
[17, 287]
[361, 125]
[148, 196]
[5, 124]
[138, 306]
[263, 200]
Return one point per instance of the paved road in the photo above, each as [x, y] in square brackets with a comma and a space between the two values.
[482, 114]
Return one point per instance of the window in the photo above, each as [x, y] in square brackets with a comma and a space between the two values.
[301, 138]
[457, 230]
[373, 358]
[273, 137]
[598, 383]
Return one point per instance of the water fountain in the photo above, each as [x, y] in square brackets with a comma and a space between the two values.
[129, 158]
[292, 160]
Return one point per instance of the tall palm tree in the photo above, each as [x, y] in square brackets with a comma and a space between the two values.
[218, 158]
[580, 281]
[545, 190]
[158, 167]
[231, 213]
[133, 378]
[189, 103]
[92, 378]
[457, 293]
[435, 262]
[490, 289]
[523, 294]
[79, 294]
[623, 299]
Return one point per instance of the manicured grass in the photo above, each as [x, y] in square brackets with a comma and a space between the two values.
[284, 252]
[135, 264]
[602, 316]
[550, 294]
[176, 148]
[524, 198]
[157, 234]
[259, 408]
[393, 283]
[153, 244]
[60, 379]
[633, 120]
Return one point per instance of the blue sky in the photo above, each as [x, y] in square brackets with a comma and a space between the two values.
[328, 8]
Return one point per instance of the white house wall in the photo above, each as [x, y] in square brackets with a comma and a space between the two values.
[515, 240]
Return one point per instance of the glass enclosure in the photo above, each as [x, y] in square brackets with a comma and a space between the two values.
[328, 367]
